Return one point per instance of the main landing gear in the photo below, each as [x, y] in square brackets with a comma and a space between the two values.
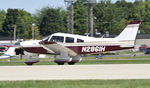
[64, 58]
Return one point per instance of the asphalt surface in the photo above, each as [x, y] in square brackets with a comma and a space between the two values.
[75, 72]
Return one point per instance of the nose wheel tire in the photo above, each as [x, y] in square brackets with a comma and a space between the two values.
[60, 63]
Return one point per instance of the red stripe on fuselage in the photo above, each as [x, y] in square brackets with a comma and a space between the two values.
[79, 49]
[95, 49]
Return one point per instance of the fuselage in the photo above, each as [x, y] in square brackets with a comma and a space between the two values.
[76, 43]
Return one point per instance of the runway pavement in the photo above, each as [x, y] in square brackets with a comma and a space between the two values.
[75, 72]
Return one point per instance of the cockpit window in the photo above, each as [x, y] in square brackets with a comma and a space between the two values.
[46, 38]
[69, 40]
[57, 39]
[79, 40]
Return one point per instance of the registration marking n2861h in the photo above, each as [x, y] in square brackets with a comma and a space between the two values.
[93, 49]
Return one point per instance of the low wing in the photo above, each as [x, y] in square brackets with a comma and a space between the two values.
[58, 48]
[9, 53]
[66, 54]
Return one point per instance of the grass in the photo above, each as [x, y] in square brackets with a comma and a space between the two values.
[116, 62]
[18, 62]
[77, 84]
[86, 60]
[120, 57]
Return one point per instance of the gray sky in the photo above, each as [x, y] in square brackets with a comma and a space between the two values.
[33, 5]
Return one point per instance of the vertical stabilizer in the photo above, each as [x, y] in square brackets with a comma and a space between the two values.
[129, 33]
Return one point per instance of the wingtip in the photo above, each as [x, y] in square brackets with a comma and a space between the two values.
[135, 22]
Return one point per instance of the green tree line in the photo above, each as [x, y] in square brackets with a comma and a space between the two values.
[108, 16]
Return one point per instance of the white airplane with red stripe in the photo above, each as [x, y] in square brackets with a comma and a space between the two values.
[70, 46]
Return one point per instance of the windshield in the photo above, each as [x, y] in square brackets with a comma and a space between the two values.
[46, 38]
[57, 39]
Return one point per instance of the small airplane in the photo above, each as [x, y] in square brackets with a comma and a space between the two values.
[70, 46]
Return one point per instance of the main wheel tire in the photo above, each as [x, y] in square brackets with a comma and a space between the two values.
[71, 63]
